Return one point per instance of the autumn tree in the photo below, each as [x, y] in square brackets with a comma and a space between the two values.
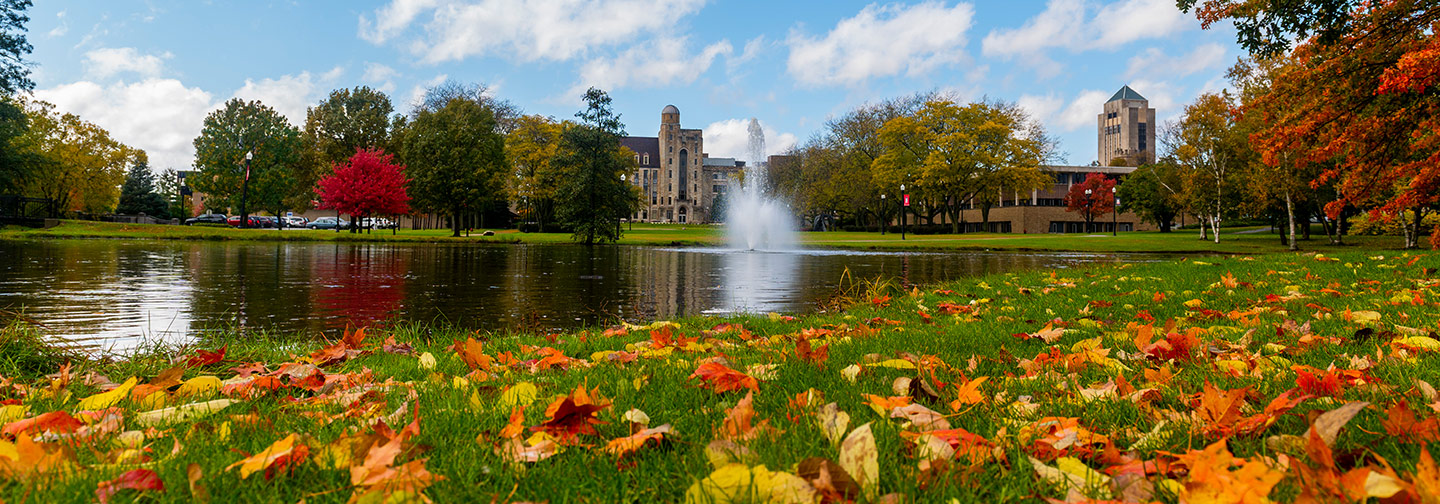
[1152, 192]
[455, 159]
[593, 198]
[71, 162]
[1209, 153]
[14, 70]
[228, 134]
[1360, 98]
[531, 149]
[344, 122]
[138, 195]
[15, 164]
[368, 184]
[964, 153]
[1093, 198]
[507, 114]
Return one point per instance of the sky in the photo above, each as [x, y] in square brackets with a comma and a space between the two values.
[149, 71]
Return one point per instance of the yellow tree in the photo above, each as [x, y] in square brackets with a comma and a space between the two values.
[1209, 153]
[531, 148]
[78, 166]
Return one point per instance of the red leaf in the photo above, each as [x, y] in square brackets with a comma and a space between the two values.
[723, 379]
[138, 479]
[205, 358]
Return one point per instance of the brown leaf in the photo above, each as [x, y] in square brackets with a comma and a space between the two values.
[198, 493]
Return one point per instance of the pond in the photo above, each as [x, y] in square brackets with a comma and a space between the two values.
[113, 294]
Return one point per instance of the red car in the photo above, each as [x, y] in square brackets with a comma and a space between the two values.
[234, 221]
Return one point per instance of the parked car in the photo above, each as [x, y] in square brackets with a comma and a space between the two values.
[234, 221]
[376, 223]
[269, 221]
[328, 223]
[296, 222]
[211, 218]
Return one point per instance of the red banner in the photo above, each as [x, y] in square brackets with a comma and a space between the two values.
[907, 200]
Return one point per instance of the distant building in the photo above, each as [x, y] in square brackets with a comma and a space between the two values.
[678, 180]
[1126, 129]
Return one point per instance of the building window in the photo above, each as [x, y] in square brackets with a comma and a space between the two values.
[647, 158]
[637, 159]
[1142, 135]
[717, 189]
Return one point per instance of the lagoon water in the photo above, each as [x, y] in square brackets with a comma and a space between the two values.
[113, 295]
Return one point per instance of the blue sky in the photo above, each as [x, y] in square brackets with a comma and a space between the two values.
[149, 71]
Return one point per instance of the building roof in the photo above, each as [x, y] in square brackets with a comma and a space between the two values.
[644, 145]
[670, 109]
[1125, 93]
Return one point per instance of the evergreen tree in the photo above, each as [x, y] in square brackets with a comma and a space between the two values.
[138, 195]
[593, 198]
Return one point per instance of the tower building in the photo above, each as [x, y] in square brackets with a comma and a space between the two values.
[1126, 129]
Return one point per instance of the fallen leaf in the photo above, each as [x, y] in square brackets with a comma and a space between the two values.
[723, 379]
[287, 451]
[107, 399]
[137, 479]
[860, 459]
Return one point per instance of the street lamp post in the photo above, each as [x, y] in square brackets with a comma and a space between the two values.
[1089, 212]
[245, 189]
[904, 198]
[1115, 215]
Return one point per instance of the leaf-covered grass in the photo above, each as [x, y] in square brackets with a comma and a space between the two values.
[1110, 375]
[1244, 240]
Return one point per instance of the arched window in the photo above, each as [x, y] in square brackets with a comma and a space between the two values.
[684, 160]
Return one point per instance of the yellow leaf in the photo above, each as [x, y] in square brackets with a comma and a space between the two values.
[1364, 316]
[519, 394]
[1194, 303]
[260, 461]
[727, 484]
[850, 373]
[1382, 486]
[107, 399]
[860, 458]
[427, 361]
[1424, 342]
[182, 412]
[12, 412]
[199, 385]
[832, 422]
[896, 364]
[155, 400]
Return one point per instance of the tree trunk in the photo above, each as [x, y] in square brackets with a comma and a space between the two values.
[1204, 232]
[1290, 213]
[455, 223]
[1215, 227]
[955, 212]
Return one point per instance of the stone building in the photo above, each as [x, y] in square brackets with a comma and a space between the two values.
[1126, 128]
[678, 179]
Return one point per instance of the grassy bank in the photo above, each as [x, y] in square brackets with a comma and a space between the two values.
[1167, 381]
[1233, 240]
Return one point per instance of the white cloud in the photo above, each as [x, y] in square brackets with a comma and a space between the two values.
[731, 139]
[526, 30]
[751, 50]
[882, 41]
[162, 116]
[1041, 108]
[392, 19]
[61, 29]
[1127, 21]
[105, 62]
[1054, 111]
[383, 77]
[290, 95]
[1068, 24]
[1153, 61]
[658, 62]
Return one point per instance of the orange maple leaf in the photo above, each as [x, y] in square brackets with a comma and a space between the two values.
[58, 422]
[137, 479]
[804, 350]
[574, 414]
[629, 444]
[517, 423]
[723, 379]
[1218, 409]
[1400, 421]
[739, 421]
[1216, 475]
[969, 393]
[472, 352]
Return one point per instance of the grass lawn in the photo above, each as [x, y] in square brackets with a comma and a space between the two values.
[1233, 240]
[1172, 381]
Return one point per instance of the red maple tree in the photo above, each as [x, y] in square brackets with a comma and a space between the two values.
[1098, 202]
[367, 184]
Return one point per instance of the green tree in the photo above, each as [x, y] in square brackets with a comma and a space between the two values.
[73, 163]
[455, 159]
[138, 195]
[507, 114]
[345, 122]
[14, 70]
[593, 198]
[1152, 192]
[531, 149]
[238, 128]
[1210, 152]
[168, 186]
[963, 153]
[14, 163]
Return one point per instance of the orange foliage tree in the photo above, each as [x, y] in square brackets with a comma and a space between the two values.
[1361, 101]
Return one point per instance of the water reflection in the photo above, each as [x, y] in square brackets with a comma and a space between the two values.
[116, 294]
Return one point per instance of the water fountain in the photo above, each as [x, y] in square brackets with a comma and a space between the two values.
[755, 220]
